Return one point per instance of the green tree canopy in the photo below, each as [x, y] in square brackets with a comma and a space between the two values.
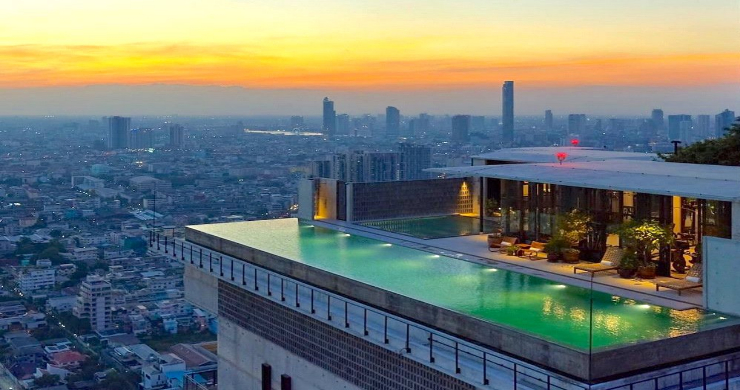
[721, 151]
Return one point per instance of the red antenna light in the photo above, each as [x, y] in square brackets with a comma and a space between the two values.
[561, 157]
[574, 141]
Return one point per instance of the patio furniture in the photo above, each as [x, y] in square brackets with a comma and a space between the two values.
[610, 261]
[693, 279]
[500, 243]
[535, 248]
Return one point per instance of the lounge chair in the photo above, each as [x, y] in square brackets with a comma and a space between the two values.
[501, 243]
[535, 248]
[693, 279]
[610, 261]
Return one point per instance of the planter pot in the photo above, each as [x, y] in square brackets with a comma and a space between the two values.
[553, 257]
[646, 272]
[571, 257]
[627, 273]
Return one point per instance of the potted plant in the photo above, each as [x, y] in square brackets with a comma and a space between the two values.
[570, 255]
[573, 226]
[642, 238]
[628, 265]
[555, 247]
[512, 250]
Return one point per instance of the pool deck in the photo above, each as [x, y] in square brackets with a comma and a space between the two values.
[475, 249]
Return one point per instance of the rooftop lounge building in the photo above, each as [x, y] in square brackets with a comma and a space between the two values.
[394, 286]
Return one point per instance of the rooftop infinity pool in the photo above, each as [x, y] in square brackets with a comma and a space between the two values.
[556, 312]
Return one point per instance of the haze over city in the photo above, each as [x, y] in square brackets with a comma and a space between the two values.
[280, 57]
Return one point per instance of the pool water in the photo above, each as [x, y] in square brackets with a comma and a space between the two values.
[433, 227]
[545, 309]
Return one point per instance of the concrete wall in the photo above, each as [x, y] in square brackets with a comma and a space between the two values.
[721, 269]
[575, 363]
[241, 354]
[201, 289]
[305, 199]
[736, 220]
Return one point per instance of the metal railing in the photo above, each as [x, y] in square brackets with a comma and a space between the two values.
[438, 348]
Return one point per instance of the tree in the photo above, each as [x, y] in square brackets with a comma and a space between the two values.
[721, 151]
[46, 380]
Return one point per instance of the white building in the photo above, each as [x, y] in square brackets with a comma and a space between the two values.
[94, 303]
[35, 279]
[85, 254]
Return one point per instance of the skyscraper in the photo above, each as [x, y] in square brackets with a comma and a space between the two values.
[461, 128]
[343, 124]
[674, 126]
[118, 132]
[414, 159]
[722, 121]
[330, 118]
[548, 120]
[392, 122]
[577, 124]
[703, 125]
[141, 138]
[177, 135]
[507, 117]
[657, 118]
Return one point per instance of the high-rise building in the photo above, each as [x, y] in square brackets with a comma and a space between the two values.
[330, 118]
[478, 123]
[118, 132]
[657, 118]
[674, 126]
[177, 135]
[423, 125]
[703, 126]
[141, 138]
[507, 116]
[343, 124]
[392, 122]
[414, 160]
[548, 119]
[577, 124]
[722, 121]
[461, 128]
[94, 302]
[296, 122]
[686, 131]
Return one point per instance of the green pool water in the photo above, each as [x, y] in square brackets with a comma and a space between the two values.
[530, 304]
[432, 227]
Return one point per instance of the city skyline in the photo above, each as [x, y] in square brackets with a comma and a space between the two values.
[366, 48]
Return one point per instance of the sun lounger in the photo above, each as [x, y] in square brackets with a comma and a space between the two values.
[610, 261]
[501, 243]
[693, 279]
[535, 248]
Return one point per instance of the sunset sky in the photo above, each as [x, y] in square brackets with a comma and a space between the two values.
[371, 47]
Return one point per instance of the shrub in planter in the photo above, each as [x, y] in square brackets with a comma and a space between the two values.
[570, 255]
[628, 266]
[512, 250]
[555, 247]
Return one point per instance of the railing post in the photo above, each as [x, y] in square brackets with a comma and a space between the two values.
[408, 338]
[364, 321]
[269, 291]
[485, 370]
[346, 315]
[191, 255]
[727, 374]
[201, 257]
[457, 358]
[282, 290]
[515, 380]
[174, 246]
[232, 269]
[158, 248]
[431, 347]
[704, 377]
[151, 238]
[297, 304]
[256, 287]
[221, 266]
[182, 250]
[385, 330]
[165, 245]
[210, 261]
[244, 274]
[313, 311]
[328, 307]
[680, 380]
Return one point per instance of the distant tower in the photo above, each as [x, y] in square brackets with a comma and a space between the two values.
[330, 118]
[414, 160]
[118, 132]
[177, 135]
[703, 126]
[507, 117]
[674, 126]
[461, 128]
[722, 121]
[343, 124]
[141, 138]
[577, 124]
[392, 122]
[548, 120]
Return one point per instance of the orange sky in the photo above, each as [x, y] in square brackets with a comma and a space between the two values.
[362, 44]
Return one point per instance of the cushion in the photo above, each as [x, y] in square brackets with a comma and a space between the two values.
[505, 243]
[693, 279]
[607, 263]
